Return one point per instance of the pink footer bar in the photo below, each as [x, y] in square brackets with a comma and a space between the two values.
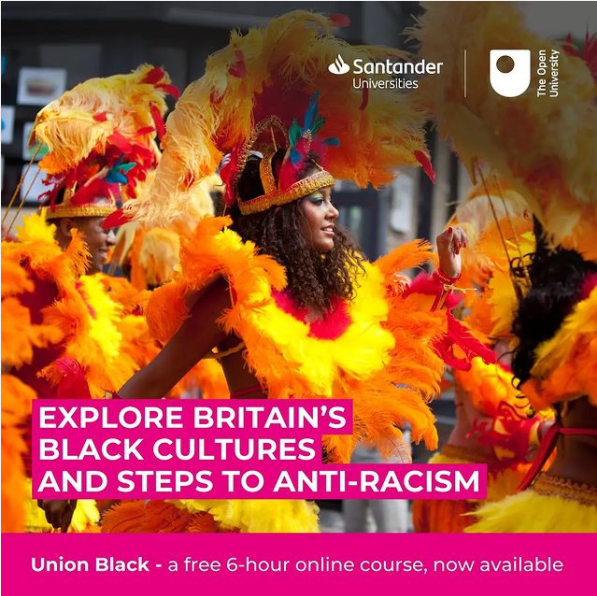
[327, 563]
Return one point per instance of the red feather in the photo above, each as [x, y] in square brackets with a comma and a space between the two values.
[170, 90]
[73, 384]
[339, 20]
[227, 173]
[239, 68]
[158, 121]
[588, 52]
[513, 435]
[334, 324]
[101, 117]
[146, 130]
[115, 220]
[458, 335]
[589, 284]
[120, 141]
[290, 172]
[430, 285]
[365, 99]
[215, 99]
[189, 180]
[426, 163]
[87, 194]
[155, 75]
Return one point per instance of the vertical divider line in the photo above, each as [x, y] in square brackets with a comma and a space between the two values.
[465, 73]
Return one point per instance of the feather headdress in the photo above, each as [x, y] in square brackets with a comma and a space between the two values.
[544, 145]
[274, 71]
[100, 137]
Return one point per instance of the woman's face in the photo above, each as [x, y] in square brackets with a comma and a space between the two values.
[320, 217]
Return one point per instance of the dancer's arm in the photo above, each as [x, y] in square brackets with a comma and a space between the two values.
[449, 244]
[196, 337]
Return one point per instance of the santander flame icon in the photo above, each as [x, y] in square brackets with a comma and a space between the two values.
[339, 67]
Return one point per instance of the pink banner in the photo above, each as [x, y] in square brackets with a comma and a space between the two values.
[260, 481]
[218, 450]
[326, 563]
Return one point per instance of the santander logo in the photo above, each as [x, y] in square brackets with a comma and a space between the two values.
[339, 67]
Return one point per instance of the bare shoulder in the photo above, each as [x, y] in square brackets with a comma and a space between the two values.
[216, 290]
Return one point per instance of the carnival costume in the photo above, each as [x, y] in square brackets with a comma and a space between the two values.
[101, 142]
[251, 99]
[546, 149]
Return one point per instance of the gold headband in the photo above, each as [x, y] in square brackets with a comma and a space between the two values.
[80, 211]
[301, 188]
[67, 209]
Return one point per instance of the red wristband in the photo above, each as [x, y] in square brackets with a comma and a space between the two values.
[446, 279]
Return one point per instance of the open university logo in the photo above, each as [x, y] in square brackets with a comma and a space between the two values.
[515, 82]
[339, 67]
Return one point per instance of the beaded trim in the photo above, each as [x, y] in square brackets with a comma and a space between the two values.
[299, 189]
[554, 486]
[243, 156]
[266, 174]
[465, 453]
[80, 211]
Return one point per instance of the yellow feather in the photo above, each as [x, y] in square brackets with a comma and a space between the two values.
[258, 516]
[530, 512]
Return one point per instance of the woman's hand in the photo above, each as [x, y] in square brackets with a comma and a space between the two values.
[449, 244]
[59, 513]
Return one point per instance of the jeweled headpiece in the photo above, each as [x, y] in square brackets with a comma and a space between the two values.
[288, 182]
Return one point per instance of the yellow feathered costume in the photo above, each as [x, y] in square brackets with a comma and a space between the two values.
[362, 364]
[69, 328]
[389, 340]
[83, 317]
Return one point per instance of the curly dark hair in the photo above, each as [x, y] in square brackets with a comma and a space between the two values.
[557, 277]
[315, 279]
